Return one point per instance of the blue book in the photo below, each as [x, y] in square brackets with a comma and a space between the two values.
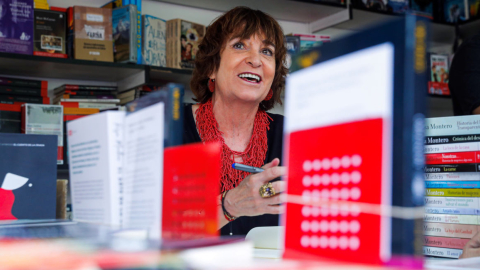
[16, 26]
[28, 171]
[124, 25]
[452, 211]
[172, 96]
[452, 184]
[154, 41]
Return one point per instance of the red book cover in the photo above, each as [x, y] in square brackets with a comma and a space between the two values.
[452, 158]
[190, 191]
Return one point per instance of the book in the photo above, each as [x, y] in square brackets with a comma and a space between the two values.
[422, 8]
[14, 99]
[16, 27]
[10, 118]
[76, 88]
[87, 105]
[76, 96]
[92, 34]
[69, 110]
[44, 120]
[90, 100]
[376, 5]
[292, 43]
[309, 41]
[451, 11]
[16, 90]
[36, 84]
[439, 67]
[154, 41]
[90, 93]
[183, 39]
[124, 22]
[379, 105]
[397, 6]
[172, 96]
[50, 29]
[28, 167]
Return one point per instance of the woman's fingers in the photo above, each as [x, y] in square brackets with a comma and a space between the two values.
[275, 209]
[271, 164]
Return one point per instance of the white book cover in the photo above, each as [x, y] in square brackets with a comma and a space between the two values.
[154, 41]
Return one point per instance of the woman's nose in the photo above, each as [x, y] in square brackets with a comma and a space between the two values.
[253, 59]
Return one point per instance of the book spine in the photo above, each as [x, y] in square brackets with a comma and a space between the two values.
[133, 35]
[452, 184]
[455, 219]
[89, 97]
[452, 158]
[169, 43]
[13, 90]
[449, 230]
[139, 32]
[90, 93]
[443, 242]
[442, 252]
[24, 83]
[89, 87]
[452, 177]
[175, 121]
[452, 168]
[452, 139]
[99, 106]
[450, 148]
[452, 211]
[80, 111]
[89, 100]
[454, 202]
[8, 99]
[452, 192]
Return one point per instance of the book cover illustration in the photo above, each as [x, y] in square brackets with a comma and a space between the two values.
[438, 82]
[292, 43]
[455, 10]
[92, 34]
[28, 170]
[124, 22]
[44, 120]
[50, 33]
[16, 26]
[154, 41]
[182, 43]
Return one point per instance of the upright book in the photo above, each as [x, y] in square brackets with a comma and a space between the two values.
[50, 29]
[347, 154]
[124, 22]
[28, 171]
[183, 38]
[16, 26]
[154, 41]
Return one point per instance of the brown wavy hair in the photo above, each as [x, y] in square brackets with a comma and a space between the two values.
[240, 22]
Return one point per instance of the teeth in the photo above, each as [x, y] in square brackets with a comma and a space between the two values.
[250, 76]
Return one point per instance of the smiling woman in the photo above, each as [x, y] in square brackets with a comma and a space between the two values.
[238, 76]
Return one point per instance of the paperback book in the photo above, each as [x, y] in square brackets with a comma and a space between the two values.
[16, 26]
[124, 22]
[14, 82]
[331, 184]
[154, 41]
[183, 39]
[438, 82]
[50, 28]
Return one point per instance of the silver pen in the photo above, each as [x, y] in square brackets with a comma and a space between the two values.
[246, 168]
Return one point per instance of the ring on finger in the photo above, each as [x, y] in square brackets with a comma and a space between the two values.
[267, 190]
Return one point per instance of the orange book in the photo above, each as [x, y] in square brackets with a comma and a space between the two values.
[69, 110]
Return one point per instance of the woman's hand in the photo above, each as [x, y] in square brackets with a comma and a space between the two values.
[472, 248]
[245, 199]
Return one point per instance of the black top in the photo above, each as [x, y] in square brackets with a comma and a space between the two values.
[464, 77]
[242, 225]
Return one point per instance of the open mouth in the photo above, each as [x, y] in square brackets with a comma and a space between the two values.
[250, 77]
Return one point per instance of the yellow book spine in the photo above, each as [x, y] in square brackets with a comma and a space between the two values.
[67, 110]
[452, 192]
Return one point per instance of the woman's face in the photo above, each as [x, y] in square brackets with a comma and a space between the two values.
[247, 69]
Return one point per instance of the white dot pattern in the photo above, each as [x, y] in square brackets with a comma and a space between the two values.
[334, 226]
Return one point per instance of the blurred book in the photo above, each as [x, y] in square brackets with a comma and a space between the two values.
[438, 81]
[183, 39]
[28, 166]
[309, 41]
[154, 41]
[44, 120]
[124, 22]
[422, 8]
[16, 27]
[292, 43]
[50, 31]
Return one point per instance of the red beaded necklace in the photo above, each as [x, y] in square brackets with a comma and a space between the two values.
[254, 154]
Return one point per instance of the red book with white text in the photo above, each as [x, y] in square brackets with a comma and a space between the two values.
[190, 191]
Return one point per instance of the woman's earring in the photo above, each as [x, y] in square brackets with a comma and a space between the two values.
[211, 85]
[269, 95]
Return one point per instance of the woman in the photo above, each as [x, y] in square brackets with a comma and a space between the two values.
[239, 74]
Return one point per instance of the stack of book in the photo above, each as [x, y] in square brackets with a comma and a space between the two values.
[14, 93]
[452, 179]
[86, 96]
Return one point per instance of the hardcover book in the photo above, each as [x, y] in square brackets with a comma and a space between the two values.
[50, 29]
[92, 32]
[28, 170]
[154, 41]
[183, 39]
[44, 120]
[124, 22]
[24, 83]
[16, 26]
[338, 184]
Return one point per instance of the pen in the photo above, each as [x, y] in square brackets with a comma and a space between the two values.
[246, 168]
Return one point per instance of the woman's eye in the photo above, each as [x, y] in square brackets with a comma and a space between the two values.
[267, 52]
[238, 45]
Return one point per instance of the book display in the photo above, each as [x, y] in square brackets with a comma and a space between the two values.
[452, 181]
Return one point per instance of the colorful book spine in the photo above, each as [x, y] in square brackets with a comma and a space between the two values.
[154, 41]
[90, 93]
[452, 147]
[450, 230]
[456, 219]
[452, 158]
[450, 192]
[23, 83]
[452, 184]
[9, 99]
[450, 168]
[16, 27]
[452, 202]
[87, 105]
[452, 211]
[442, 252]
[124, 22]
[443, 242]
[50, 33]
[68, 110]
[455, 177]
[15, 90]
